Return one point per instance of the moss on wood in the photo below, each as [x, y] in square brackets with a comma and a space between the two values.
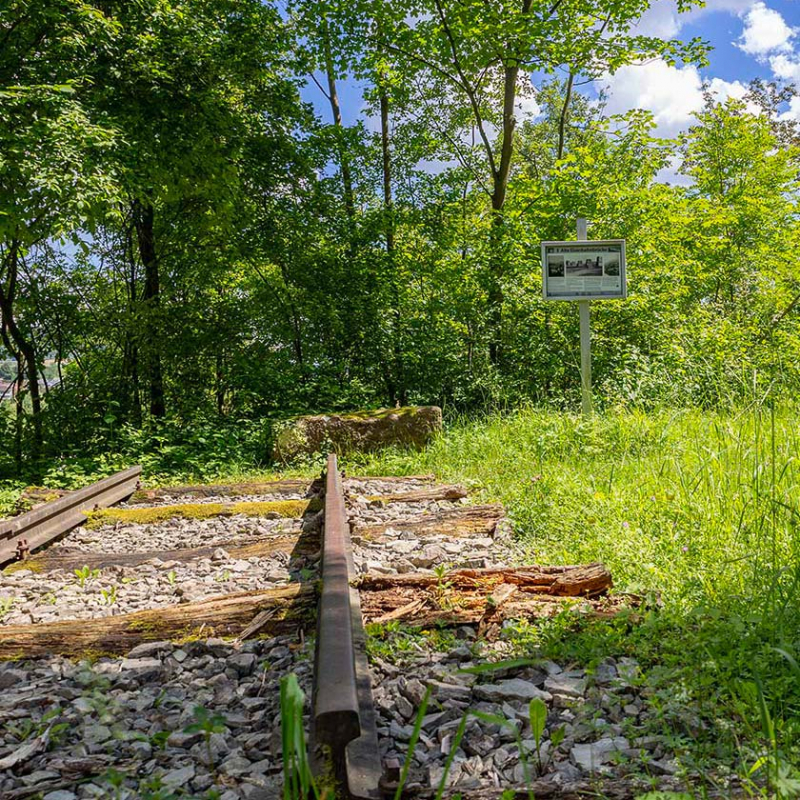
[155, 514]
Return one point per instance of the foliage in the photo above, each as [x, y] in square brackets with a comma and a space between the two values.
[696, 513]
[188, 249]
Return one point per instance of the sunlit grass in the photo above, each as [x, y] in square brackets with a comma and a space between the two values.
[692, 504]
[697, 512]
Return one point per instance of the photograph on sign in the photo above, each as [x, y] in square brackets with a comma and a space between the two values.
[583, 270]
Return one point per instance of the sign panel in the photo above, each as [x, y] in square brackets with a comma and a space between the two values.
[584, 270]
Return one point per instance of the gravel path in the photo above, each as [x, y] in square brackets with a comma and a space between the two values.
[117, 728]
[600, 720]
[119, 725]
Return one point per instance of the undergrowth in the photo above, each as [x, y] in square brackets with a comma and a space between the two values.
[694, 511]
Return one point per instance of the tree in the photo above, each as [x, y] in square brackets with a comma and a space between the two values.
[189, 83]
[54, 172]
[472, 65]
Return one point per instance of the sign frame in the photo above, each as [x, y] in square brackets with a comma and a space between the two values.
[583, 246]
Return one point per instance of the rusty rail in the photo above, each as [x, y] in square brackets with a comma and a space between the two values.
[344, 735]
[46, 523]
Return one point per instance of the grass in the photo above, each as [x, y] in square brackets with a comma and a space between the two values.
[696, 511]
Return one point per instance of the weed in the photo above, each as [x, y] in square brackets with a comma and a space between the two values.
[109, 595]
[86, 574]
[698, 512]
[392, 641]
[298, 782]
[207, 724]
[6, 604]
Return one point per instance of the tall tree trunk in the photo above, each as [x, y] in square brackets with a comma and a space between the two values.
[562, 120]
[144, 221]
[25, 346]
[219, 378]
[19, 415]
[336, 111]
[497, 249]
[130, 399]
[397, 389]
[17, 395]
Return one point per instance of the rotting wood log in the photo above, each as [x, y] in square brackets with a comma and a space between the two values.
[418, 496]
[584, 580]
[283, 486]
[464, 597]
[225, 615]
[461, 521]
[300, 544]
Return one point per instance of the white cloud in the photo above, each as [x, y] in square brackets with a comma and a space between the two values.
[793, 112]
[785, 67]
[526, 105]
[672, 94]
[670, 174]
[527, 108]
[662, 17]
[765, 31]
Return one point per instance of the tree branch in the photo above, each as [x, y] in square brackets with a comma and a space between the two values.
[469, 90]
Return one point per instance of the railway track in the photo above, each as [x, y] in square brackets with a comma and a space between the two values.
[143, 650]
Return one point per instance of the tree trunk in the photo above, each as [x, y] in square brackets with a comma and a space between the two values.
[19, 408]
[220, 384]
[398, 392]
[130, 400]
[25, 348]
[562, 121]
[496, 270]
[144, 219]
[16, 393]
[333, 99]
[497, 249]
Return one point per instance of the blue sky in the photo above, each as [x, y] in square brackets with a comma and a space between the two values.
[751, 39]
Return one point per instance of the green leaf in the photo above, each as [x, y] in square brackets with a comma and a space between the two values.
[538, 712]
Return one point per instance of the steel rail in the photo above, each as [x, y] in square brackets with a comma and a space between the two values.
[21, 535]
[344, 734]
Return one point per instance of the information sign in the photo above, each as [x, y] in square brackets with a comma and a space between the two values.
[593, 270]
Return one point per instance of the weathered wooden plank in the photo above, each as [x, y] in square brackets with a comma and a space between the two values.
[50, 560]
[226, 615]
[464, 597]
[461, 521]
[418, 496]
[247, 488]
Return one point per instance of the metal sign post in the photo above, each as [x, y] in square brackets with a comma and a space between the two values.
[586, 339]
[581, 271]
